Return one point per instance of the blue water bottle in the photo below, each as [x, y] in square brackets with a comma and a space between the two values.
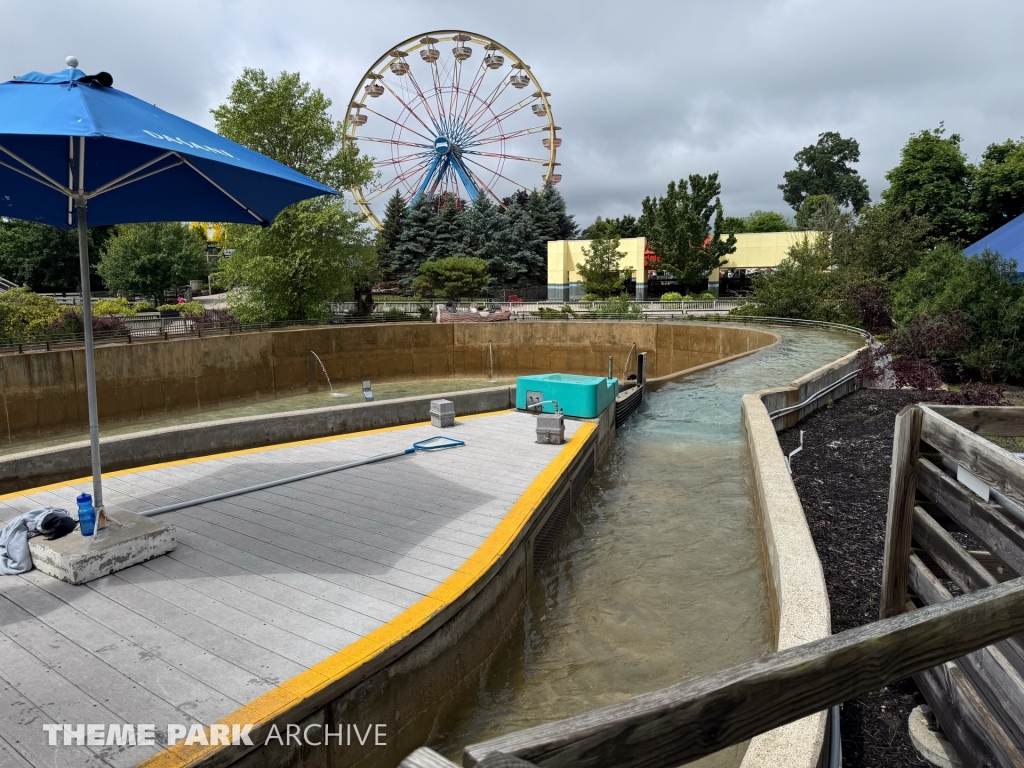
[86, 515]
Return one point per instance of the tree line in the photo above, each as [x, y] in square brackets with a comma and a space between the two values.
[897, 267]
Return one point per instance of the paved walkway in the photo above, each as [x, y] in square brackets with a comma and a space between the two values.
[260, 587]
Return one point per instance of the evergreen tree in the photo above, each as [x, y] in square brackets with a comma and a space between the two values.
[448, 229]
[545, 221]
[481, 227]
[521, 254]
[415, 243]
[391, 230]
[565, 224]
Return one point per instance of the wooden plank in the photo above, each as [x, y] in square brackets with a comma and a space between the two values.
[998, 468]
[988, 420]
[986, 521]
[964, 570]
[991, 670]
[424, 757]
[900, 515]
[703, 715]
[974, 731]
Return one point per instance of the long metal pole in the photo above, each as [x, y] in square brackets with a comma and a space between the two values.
[90, 363]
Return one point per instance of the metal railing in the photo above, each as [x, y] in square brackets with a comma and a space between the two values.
[156, 328]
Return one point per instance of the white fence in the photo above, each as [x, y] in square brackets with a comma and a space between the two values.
[526, 307]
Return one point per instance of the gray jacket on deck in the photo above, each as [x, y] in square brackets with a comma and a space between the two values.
[15, 556]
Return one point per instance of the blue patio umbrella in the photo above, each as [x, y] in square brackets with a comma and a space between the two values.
[72, 145]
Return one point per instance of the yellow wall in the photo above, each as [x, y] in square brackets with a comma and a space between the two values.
[565, 255]
[753, 251]
[761, 249]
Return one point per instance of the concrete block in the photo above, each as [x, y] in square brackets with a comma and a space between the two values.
[442, 413]
[127, 540]
[550, 429]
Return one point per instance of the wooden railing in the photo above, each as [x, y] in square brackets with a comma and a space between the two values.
[950, 486]
[689, 720]
[964, 651]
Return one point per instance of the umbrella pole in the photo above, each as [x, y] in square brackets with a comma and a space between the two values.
[90, 363]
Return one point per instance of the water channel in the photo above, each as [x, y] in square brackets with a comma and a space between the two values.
[660, 575]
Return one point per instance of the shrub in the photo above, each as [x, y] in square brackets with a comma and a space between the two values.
[116, 306]
[453, 277]
[142, 306]
[215, 318]
[69, 321]
[672, 296]
[24, 314]
[590, 297]
[619, 306]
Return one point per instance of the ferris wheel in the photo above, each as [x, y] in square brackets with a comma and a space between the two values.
[466, 120]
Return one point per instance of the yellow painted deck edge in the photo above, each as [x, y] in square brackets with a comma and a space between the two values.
[241, 452]
[332, 669]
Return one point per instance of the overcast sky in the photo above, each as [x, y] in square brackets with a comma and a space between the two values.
[644, 91]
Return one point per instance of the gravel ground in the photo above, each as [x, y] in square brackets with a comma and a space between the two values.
[842, 476]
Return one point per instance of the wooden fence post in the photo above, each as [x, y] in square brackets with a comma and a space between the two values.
[899, 523]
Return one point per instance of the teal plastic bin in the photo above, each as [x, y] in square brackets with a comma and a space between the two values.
[584, 397]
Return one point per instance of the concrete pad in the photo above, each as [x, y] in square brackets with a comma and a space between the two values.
[929, 741]
[128, 539]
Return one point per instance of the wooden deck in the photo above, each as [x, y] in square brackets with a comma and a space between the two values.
[260, 588]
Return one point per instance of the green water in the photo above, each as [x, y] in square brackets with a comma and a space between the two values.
[659, 576]
[347, 394]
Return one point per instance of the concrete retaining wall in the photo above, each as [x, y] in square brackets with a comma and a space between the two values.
[44, 392]
[797, 590]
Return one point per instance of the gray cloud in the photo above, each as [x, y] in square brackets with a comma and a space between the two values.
[644, 91]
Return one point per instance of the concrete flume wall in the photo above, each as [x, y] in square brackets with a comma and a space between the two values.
[796, 581]
[44, 392]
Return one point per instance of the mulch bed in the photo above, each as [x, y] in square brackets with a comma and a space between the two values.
[842, 476]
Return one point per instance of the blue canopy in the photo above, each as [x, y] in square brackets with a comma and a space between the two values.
[140, 163]
[74, 151]
[1007, 241]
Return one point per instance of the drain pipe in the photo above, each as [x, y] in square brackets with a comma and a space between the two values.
[835, 385]
[835, 757]
[794, 452]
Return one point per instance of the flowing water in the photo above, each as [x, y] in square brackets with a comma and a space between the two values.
[353, 392]
[660, 575]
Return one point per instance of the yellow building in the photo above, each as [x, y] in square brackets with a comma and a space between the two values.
[753, 251]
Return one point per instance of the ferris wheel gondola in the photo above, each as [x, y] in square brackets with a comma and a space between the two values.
[450, 122]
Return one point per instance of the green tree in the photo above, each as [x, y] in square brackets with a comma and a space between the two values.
[601, 273]
[980, 291]
[824, 169]
[481, 226]
[45, 258]
[565, 224]
[680, 229]
[316, 252]
[391, 231]
[415, 243]
[448, 228]
[766, 221]
[734, 225]
[452, 277]
[997, 195]
[288, 120]
[625, 227]
[810, 207]
[147, 259]
[521, 254]
[933, 180]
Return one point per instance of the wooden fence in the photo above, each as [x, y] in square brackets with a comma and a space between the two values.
[965, 651]
[956, 525]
